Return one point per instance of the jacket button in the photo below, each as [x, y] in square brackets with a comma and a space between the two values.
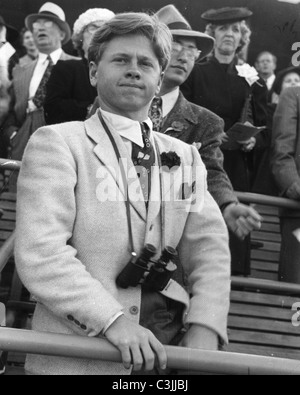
[83, 327]
[134, 310]
[70, 318]
[77, 323]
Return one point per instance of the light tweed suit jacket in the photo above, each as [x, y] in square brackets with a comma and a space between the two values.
[72, 241]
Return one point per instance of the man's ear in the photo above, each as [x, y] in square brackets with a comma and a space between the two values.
[62, 35]
[93, 74]
[160, 83]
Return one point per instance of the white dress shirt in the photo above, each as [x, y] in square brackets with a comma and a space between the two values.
[38, 73]
[129, 130]
[270, 82]
[168, 101]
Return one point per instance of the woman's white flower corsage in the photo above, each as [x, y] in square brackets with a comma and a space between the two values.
[248, 72]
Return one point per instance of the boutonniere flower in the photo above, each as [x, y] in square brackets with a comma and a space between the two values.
[249, 73]
[177, 126]
[170, 160]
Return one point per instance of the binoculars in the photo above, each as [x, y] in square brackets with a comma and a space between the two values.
[157, 277]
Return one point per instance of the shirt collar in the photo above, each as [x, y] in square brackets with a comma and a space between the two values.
[126, 127]
[55, 56]
[168, 101]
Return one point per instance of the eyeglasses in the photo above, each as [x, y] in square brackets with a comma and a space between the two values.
[191, 52]
[40, 24]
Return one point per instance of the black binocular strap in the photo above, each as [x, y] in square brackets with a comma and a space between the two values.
[127, 202]
[114, 144]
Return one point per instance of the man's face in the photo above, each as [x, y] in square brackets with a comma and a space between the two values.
[184, 55]
[28, 41]
[265, 65]
[47, 35]
[228, 38]
[128, 75]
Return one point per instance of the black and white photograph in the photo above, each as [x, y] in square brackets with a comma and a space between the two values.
[149, 190]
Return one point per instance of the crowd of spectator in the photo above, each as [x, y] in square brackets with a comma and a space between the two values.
[47, 86]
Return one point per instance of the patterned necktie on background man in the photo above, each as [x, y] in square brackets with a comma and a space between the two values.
[156, 113]
[40, 95]
[143, 159]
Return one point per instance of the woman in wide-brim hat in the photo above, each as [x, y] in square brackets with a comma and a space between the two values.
[217, 86]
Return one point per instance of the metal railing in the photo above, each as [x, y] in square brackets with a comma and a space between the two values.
[188, 360]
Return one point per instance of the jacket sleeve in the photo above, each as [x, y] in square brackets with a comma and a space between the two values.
[219, 184]
[60, 105]
[47, 263]
[204, 251]
[284, 142]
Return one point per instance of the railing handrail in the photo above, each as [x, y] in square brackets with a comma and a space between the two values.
[268, 200]
[10, 164]
[265, 285]
[7, 250]
[31, 342]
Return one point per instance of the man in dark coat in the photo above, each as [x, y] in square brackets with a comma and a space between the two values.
[285, 162]
[197, 125]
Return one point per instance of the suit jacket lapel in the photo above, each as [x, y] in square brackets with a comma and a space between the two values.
[106, 154]
[180, 118]
[22, 82]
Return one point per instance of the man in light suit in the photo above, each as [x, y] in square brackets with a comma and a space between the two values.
[50, 31]
[285, 165]
[79, 221]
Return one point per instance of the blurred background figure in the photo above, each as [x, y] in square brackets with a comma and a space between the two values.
[50, 31]
[286, 171]
[8, 58]
[217, 86]
[69, 92]
[287, 78]
[266, 64]
[31, 50]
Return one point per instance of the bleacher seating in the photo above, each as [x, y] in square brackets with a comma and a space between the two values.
[259, 320]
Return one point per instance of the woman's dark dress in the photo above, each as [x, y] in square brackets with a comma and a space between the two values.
[218, 88]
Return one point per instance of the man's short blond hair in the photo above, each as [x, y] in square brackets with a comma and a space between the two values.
[133, 24]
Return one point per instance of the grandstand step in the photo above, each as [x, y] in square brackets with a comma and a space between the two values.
[268, 267]
[263, 351]
[267, 256]
[261, 312]
[264, 275]
[265, 339]
[266, 236]
[284, 302]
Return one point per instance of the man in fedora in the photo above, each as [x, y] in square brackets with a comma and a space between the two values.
[196, 125]
[50, 31]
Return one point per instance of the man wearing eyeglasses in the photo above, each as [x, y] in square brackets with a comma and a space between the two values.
[173, 115]
[50, 31]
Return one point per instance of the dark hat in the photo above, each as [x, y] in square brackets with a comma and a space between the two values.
[54, 13]
[179, 26]
[12, 33]
[280, 77]
[225, 15]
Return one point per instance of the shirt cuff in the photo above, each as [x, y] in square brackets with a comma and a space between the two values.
[111, 321]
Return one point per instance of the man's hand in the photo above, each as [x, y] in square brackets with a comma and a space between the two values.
[241, 219]
[199, 337]
[138, 345]
[294, 191]
[248, 146]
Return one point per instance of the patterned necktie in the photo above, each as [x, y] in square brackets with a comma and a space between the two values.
[40, 95]
[143, 159]
[156, 113]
